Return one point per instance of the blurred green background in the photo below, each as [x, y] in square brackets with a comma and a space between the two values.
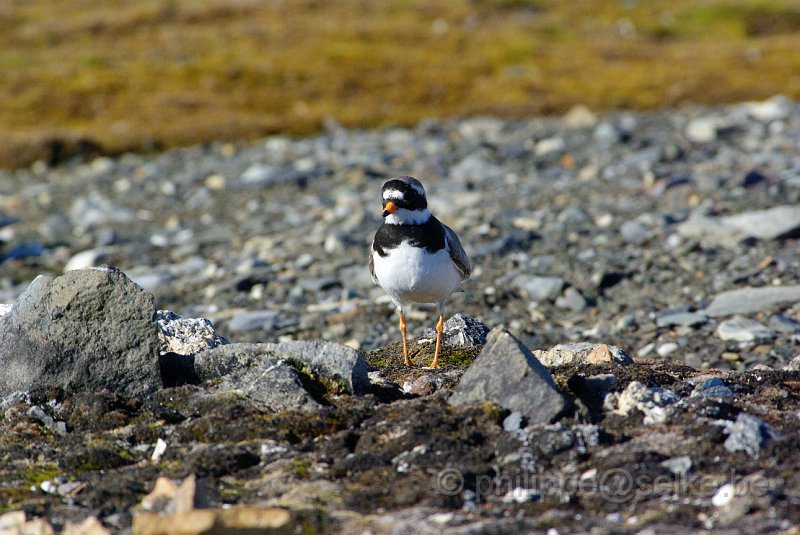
[105, 76]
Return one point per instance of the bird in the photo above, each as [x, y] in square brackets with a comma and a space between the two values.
[415, 257]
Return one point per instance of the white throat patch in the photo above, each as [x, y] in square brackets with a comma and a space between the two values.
[404, 216]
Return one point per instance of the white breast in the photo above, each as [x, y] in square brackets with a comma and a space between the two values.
[411, 274]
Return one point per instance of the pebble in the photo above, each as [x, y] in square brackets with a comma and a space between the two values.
[712, 388]
[685, 319]
[742, 330]
[749, 434]
[538, 288]
[666, 348]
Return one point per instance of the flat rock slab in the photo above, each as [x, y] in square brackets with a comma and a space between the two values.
[775, 223]
[258, 373]
[582, 353]
[507, 373]
[89, 329]
[749, 300]
[336, 362]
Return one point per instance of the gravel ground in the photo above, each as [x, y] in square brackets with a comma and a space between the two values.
[667, 237]
[579, 228]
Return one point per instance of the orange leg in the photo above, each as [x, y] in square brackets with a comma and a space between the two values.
[405, 343]
[439, 329]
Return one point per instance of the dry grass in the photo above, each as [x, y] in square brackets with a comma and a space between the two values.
[108, 76]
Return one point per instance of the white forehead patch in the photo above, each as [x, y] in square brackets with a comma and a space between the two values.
[393, 194]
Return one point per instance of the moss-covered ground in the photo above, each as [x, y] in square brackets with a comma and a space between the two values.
[97, 77]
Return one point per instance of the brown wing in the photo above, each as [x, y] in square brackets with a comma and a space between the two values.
[457, 254]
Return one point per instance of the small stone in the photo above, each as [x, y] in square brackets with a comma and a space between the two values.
[539, 288]
[251, 320]
[652, 402]
[513, 422]
[666, 348]
[185, 336]
[712, 388]
[730, 356]
[572, 300]
[549, 146]
[784, 324]
[461, 330]
[424, 385]
[703, 129]
[158, 450]
[580, 116]
[582, 353]
[743, 330]
[634, 232]
[724, 495]
[85, 259]
[684, 319]
[749, 434]
[750, 300]
[679, 466]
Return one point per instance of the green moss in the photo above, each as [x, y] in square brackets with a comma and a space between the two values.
[38, 474]
[299, 469]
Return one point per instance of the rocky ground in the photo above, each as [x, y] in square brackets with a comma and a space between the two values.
[659, 250]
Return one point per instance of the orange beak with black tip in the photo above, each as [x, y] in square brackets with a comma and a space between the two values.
[390, 208]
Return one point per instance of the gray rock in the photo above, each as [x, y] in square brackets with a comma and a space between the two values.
[770, 224]
[539, 288]
[683, 319]
[793, 365]
[783, 324]
[703, 129]
[185, 336]
[336, 362]
[652, 402]
[634, 232]
[507, 373]
[571, 300]
[749, 434]
[679, 466]
[259, 175]
[256, 372]
[251, 320]
[582, 353]
[743, 330]
[512, 422]
[712, 388]
[462, 331]
[88, 329]
[774, 223]
[94, 210]
[749, 300]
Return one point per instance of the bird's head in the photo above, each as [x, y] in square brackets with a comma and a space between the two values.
[404, 201]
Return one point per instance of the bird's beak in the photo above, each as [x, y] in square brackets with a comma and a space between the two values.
[390, 208]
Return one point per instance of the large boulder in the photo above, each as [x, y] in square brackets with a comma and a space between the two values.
[508, 374]
[89, 329]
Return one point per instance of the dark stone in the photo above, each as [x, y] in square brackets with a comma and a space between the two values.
[507, 373]
[90, 329]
